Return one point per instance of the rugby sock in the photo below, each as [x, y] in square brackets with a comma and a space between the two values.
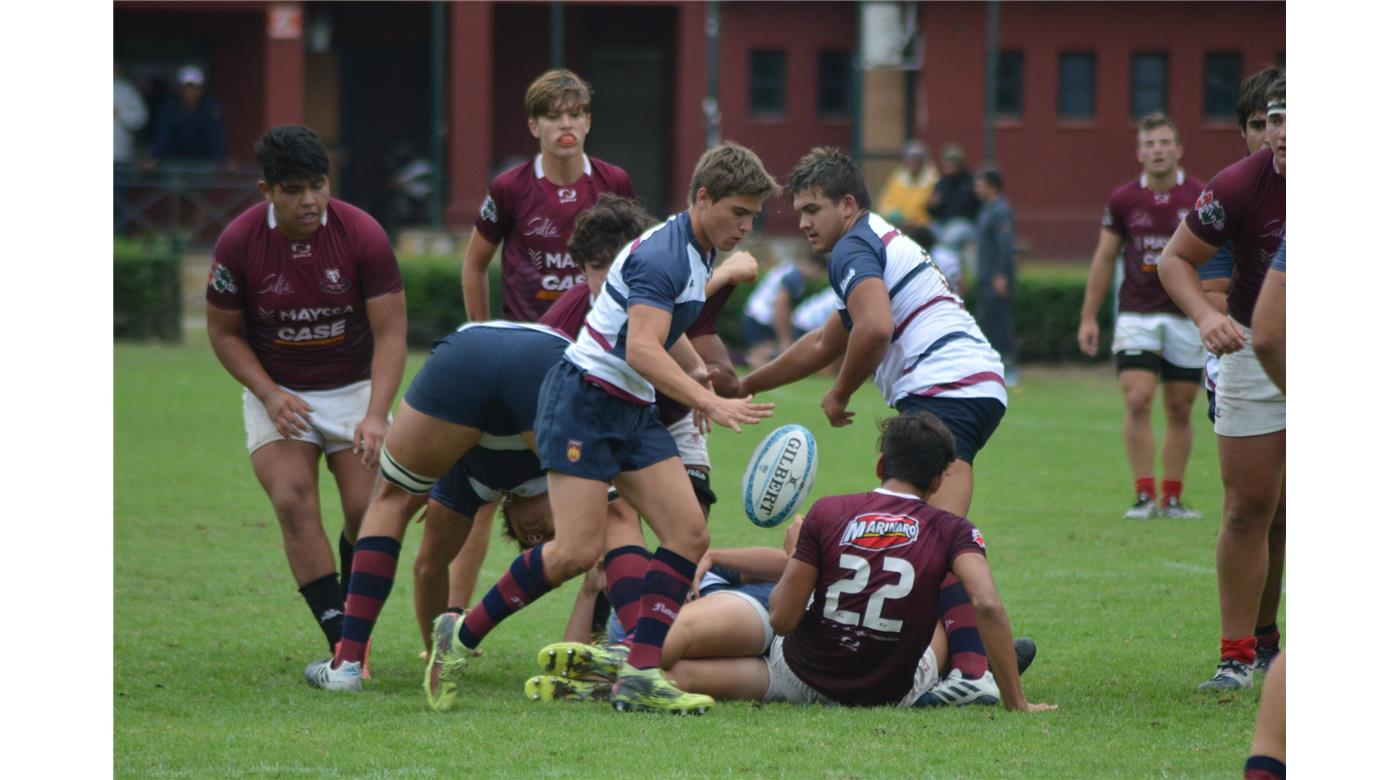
[1263, 768]
[663, 592]
[1241, 650]
[347, 559]
[522, 583]
[323, 597]
[965, 650]
[1171, 488]
[1146, 485]
[626, 568]
[371, 579]
[1266, 637]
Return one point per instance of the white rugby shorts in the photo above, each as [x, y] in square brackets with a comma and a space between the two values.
[1247, 403]
[1173, 336]
[784, 685]
[690, 442]
[334, 415]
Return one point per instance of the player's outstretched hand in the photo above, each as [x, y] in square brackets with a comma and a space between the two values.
[369, 437]
[1041, 707]
[1220, 334]
[290, 414]
[734, 413]
[1089, 337]
[834, 405]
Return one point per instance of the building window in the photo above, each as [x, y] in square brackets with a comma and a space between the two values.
[767, 83]
[834, 84]
[1222, 74]
[1077, 85]
[1010, 83]
[1149, 84]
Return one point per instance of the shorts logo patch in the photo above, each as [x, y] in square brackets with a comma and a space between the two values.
[879, 531]
[334, 282]
[221, 279]
[488, 209]
[1209, 210]
[574, 451]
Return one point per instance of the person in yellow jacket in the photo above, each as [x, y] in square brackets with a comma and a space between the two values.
[904, 199]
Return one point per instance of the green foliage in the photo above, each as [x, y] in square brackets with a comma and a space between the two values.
[145, 290]
[1045, 313]
[210, 635]
[433, 289]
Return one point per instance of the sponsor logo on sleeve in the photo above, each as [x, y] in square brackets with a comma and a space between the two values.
[1209, 211]
[221, 279]
[488, 209]
[977, 537]
[879, 531]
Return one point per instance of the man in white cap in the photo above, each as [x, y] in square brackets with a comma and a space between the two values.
[191, 125]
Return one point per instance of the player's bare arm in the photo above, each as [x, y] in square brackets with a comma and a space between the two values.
[289, 414]
[995, 628]
[388, 322]
[1185, 253]
[872, 325]
[754, 564]
[789, 598]
[1100, 279]
[805, 357]
[738, 268]
[476, 289]
[723, 378]
[1217, 293]
[646, 354]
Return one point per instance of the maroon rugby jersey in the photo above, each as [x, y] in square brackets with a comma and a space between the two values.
[1146, 220]
[535, 218]
[303, 303]
[880, 559]
[1244, 204]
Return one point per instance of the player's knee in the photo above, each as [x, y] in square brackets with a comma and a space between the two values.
[691, 541]
[573, 560]
[296, 504]
[1138, 404]
[1248, 515]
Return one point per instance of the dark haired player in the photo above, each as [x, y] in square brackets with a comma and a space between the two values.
[856, 606]
[598, 424]
[1151, 337]
[306, 310]
[1245, 204]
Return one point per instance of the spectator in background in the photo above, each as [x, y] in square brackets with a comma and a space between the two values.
[767, 321]
[953, 204]
[128, 116]
[996, 267]
[191, 125]
[906, 193]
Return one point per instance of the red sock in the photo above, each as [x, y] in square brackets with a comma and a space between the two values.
[1241, 650]
[1171, 488]
[1146, 485]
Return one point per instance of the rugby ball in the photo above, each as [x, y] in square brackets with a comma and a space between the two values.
[779, 475]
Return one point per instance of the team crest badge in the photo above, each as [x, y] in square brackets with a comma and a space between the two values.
[574, 451]
[1209, 210]
[488, 209]
[221, 279]
[334, 282]
[877, 531]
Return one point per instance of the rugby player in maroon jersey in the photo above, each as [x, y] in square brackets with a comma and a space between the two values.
[306, 310]
[1246, 204]
[1151, 337]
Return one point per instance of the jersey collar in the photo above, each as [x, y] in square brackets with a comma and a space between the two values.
[709, 259]
[1180, 179]
[539, 166]
[272, 217]
[884, 492]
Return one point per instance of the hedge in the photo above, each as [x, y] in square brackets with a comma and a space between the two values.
[146, 291]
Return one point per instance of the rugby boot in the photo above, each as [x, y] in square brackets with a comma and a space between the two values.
[1144, 509]
[446, 661]
[548, 687]
[646, 690]
[958, 691]
[1173, 509]
[577, 661]
[1230, 675]
[324, 675]
[364, 667]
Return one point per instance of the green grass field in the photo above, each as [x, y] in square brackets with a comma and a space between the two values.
[211, 634]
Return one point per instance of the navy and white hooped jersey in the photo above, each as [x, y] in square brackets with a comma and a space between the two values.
[759, 306]
[936, 348]
[663, 268]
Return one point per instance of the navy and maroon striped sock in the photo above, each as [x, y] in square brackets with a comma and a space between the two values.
[626, 568]
[965, 650]
[371, 579]
[663, 592]
[522, 583]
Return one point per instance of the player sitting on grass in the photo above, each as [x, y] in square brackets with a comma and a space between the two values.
[855, 606]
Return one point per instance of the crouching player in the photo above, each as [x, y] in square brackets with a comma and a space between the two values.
[856, 607]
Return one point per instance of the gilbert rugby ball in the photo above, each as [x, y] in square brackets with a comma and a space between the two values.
[779, 475]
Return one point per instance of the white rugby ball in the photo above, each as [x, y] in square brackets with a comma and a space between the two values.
[779, 475]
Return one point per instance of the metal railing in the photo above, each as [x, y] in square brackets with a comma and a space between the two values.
[191, 202]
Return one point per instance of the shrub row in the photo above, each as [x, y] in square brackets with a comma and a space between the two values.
[145, 291]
